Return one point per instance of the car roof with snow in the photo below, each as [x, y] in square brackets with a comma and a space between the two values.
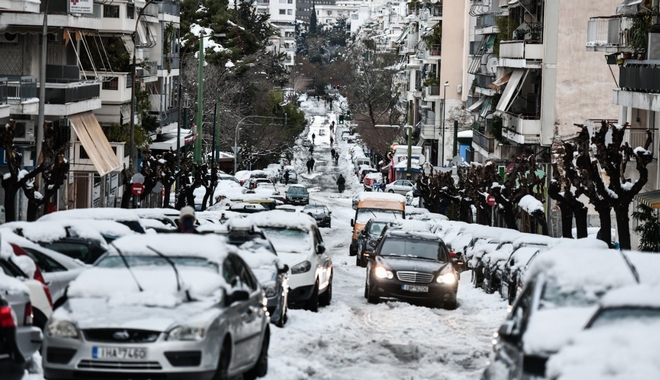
[647, 265]
[378, 196]
[521, 256]
[209, 247]
[642, 296]
[409, 225]
[50, 231]
[282, 219]
[411, 234]
[93, 213]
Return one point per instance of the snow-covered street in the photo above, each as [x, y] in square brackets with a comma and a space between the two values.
[352, 339]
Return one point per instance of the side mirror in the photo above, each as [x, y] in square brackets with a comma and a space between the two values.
[320, 249]
[506, 330]
[237, 296]
[283, 270]
[352, 223]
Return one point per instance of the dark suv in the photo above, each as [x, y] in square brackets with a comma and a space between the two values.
[412, 266]
[367, 239]
[297, 195]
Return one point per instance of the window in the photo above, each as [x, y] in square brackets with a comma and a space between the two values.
[111, 11]
[110, 83]
[329, 13]
[229, 272]
[289, 1]
[289, 12]
[282, 11]
[130, 11]
[44, 262]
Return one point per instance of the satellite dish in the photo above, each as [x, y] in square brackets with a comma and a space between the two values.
[491, 65]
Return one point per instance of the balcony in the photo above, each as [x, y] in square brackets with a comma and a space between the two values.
[609, 34]
[22, 94]
[433, 90]
[435, 50]
[168, 118]
[67, 94]
[173, 64]
[485, 24]
[484, 80]
[483, 141]
[640, 76]
[172, 8]
[521, 54]
[522, 129]
[19, 6]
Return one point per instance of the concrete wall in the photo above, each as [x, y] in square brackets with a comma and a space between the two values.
[584, 82]
[453, 68]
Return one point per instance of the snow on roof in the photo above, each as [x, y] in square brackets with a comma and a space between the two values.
[54, 230]
[416, 211]
[411, 225]
[465, 134]
[156, 213]
[377, 176]
[550, 329]
[209, 247]
[635, 296]
[521, 257]
[577, 264]
[530, 204]
[617, 351]
[10, 284]
[92, 213]
[370, 195]
[282, 219]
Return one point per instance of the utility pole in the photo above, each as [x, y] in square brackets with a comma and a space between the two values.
[41, 119]
[216, 129]
[455, 138]
[410, 129]
[444, 106]
[200, 100]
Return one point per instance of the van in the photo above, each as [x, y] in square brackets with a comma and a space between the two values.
[382, 206]
[359, 161]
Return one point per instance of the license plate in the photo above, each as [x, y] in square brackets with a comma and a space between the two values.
[415, 288]
[124, 353]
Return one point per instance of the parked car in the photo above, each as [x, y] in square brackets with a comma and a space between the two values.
[401, 186]
[513, 273]
[562, 289]
[616, 343]
[320, 213]
[40, 298]
[412, 266]
[189, 307]
[299, 244]
[371, 179]
[297, 194]
[293, 175]
[126, 217]
[367, 239]
[19, 339]
[258, 252]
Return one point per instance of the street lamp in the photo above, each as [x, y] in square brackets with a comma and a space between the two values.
[444, 103]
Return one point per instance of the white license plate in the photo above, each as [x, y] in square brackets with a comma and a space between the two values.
[415, 288]
[123, 353]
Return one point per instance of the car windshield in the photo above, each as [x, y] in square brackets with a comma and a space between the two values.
[315, 209]
[364, 214]
[288, 239]
[114, 261]
[413, 248]
[556, 296]
[614, 316]
[376, 228]
[297, 190]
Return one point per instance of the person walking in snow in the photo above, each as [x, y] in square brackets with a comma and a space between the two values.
[340, 183]
[331, 140]
[313, 138]
[286, 177]
[332, 153]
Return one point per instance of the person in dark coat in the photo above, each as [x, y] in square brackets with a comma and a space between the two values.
[341, 182]
[286, 177]
[187, 221]
[313, 138]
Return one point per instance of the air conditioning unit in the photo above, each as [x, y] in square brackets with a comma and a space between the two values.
[9, 38]
[24, 131]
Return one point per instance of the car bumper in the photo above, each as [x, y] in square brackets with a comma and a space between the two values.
[68, 358]
[298, 201]
[301, 293]
[394, 289]
[322, 222]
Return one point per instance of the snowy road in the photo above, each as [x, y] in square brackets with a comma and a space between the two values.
[352, 339]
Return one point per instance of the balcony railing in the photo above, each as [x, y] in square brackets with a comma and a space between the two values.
[532, 50]
[609, 33]
[435, 11]
[21, 87]
[168, 117]
[174, 62]
[483, 80]
[435, 50]
[640, 76]
[487, 143]
[151, 10]
[60, 93]
[3, 90]
[637, 137]
[485, 21]
[170, 8]
[433, 90]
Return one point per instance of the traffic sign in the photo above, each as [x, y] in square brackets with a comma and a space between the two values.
[236, 149]
[137, 189]
[491, 201]
[158, 187]
[137, 178]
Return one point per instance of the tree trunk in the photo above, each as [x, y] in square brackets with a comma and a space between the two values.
[32, 211]
[10, 204]
[623, 225]
[605, 233]
[539, 216]
[580, 213]
[166, 197]
[566, 222]
[126, 197]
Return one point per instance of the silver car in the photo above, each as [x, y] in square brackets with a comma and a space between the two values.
[19, 339]
[169, 306]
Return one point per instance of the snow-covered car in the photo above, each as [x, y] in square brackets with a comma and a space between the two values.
[297, 195]
[299, 244]
[475, 254]
[493, 266]
[162, 306]
[400, 186]
[371, 179]
[320, 213]
[293, 175]
[258, 252]
[412, 266]
[124, 216]
[616, 343]
[513, 272]
[19, 339]
[563, 286]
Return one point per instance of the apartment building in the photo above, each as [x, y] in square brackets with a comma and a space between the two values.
[531, 77]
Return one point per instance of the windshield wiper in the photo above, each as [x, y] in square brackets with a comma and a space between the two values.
[123, 259]
[176, 272]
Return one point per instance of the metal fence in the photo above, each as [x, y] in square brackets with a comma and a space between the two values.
[21, 87]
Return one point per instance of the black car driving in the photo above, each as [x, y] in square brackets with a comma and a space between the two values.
[367, 239]
[412, 266]
[320, 213]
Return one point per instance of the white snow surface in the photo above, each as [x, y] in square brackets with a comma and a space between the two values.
[636, 296]
[530, 204]
[647, 265]
[92, 213]
[550, 329]
[50, 231]
[371, 195]
[279, 218]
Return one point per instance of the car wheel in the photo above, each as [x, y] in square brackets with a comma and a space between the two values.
[312, 304]
[451, 305]
[326, 298]
[222, 371]
[390, 191]
[371, 298]
[260, 368]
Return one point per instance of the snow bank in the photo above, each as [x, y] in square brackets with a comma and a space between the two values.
[530, 204]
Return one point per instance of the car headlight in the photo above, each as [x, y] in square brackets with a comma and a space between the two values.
[447, 278]
[186, 333]
[303, 267]
[270, 290]
[381, 272]
[62, 329]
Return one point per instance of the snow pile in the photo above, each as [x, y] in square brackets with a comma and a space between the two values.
[377, 196]
[521, 257]
[198, 31]
[550, 329]
[530, 204]
[647, 265]
[635, 296]
[92, 213]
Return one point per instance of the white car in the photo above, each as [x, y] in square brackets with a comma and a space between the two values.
[400, 186]
[299, 244]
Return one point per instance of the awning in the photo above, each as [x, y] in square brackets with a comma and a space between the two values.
[501, 81]
[515, 82]
[420, 142]
[650, 199]
[403, 35]
[630, 7]
[477, 104]
[485, 109]
[96, 145]
[128, 44]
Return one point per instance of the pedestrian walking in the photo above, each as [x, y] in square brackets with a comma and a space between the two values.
[332, 153]
[331, 140]
[340, 183]
[313, 138]
[332, 126]
[311, 149]
[336, 158]
[286, 177]
[313, 162]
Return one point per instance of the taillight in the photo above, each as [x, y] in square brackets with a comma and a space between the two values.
[452, 254]
[7, 317]
[28, 316]
[50, 298]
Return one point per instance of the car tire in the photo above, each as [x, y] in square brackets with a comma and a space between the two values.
[370, 298]
[222, 370]
[312, 304]
[260, 368]
[326, 297]
[450, 305]
[390, 191]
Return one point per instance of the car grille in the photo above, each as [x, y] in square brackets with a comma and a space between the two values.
[144, 366]
[415, 277]
[125, 335]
